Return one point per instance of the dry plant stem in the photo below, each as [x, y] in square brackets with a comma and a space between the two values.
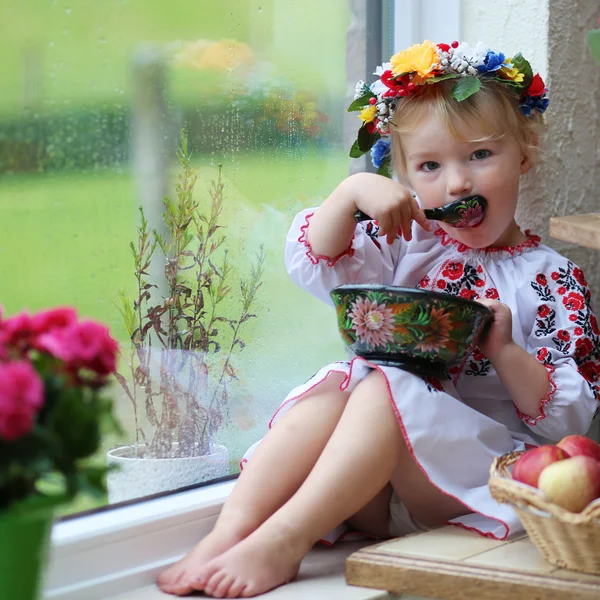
[187, 324]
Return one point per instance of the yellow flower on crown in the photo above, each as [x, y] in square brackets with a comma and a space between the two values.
[368, 114]
[510, 72]
[421, 59]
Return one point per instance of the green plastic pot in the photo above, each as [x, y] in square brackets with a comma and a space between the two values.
[24, 542]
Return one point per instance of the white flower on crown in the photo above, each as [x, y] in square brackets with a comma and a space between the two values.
[379, 88]
[360, 89]
[464, 59]
[379, 71]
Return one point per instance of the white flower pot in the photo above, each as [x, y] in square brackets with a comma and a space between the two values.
[138, 477]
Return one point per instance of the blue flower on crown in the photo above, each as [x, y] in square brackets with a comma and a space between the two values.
[492, 62]
[380, 151]
[530, 103]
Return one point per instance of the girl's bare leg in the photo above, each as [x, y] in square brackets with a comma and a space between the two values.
[280, 464]
[352, 473]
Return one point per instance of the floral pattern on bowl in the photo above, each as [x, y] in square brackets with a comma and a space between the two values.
[418, 330]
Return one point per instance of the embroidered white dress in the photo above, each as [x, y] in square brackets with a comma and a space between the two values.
[455, 427]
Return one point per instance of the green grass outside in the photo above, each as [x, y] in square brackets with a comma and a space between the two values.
[65, 241]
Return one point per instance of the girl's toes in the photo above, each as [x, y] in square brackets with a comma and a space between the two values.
[213, 582]
[236, 589]
[168, 579]
[221, 591]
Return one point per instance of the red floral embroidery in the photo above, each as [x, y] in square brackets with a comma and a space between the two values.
[330, 262]
[492, 293]
[591, 370]
[468, 294]
[583, 347]
[424, 282]
[578, 274]
[574, 301]
[533, 241]
[582, 340]
[544, 310]
[454, 271]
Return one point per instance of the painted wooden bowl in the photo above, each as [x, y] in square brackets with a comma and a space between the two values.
[417, 330]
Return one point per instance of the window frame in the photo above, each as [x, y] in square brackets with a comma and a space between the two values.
[114, 551]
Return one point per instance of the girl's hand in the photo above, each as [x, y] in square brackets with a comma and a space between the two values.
[390, 204]
[499, 334]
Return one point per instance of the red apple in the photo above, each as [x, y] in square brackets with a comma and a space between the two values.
[579, 445]
[572, 483]
[531, 463]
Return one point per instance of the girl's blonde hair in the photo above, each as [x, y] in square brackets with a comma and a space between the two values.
[493, 109]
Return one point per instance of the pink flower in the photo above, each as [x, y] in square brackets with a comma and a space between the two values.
[82, 345]
[373, 324]
[17, 332]
[21, 397]
[55, 318]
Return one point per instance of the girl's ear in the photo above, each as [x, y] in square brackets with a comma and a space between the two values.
[527, 159]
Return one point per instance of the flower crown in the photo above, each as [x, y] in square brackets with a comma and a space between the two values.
[427, 63]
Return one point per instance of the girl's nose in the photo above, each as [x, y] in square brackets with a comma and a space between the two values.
[459, 182]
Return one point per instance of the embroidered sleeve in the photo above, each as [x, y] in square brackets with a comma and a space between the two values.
[315, 258]
[566, 340]
[366, 260]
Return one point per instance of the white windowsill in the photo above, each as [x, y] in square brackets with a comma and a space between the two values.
[118, 554]
[105, 554]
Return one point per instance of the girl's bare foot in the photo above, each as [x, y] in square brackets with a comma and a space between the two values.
[265, 560]
[176, 579]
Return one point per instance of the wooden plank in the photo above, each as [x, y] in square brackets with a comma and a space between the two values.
[459, 581]
[583, 230]
[454, 564]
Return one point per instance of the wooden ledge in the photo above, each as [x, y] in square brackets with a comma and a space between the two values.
[455, 564]
[583, 230]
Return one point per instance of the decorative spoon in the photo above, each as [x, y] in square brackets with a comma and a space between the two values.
[464, 212]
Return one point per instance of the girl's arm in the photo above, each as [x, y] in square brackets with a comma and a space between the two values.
[525, 378]
[384, 200]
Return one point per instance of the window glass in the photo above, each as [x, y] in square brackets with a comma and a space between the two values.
[96, 97]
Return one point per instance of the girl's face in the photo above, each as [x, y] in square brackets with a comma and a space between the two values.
[441, 168]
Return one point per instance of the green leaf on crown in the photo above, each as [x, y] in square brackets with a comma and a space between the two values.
[510, 82]
[442, 77]
[465, 87]
[361, 102]
[355, 151]
[523, 66]
[366, 140]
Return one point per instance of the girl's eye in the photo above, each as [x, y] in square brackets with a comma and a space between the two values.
[430, 165]
[480, 154]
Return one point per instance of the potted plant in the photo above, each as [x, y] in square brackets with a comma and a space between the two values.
[53, 368]
[183, 339]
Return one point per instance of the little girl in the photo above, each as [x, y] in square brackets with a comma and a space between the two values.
[377, 449]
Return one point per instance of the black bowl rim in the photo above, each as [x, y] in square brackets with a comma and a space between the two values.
[419, 292]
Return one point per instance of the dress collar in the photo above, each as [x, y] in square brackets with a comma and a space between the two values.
[532, 241]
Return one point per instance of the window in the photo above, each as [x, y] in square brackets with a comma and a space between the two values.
[95, 98]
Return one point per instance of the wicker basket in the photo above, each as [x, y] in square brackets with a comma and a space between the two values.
[565, 539]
